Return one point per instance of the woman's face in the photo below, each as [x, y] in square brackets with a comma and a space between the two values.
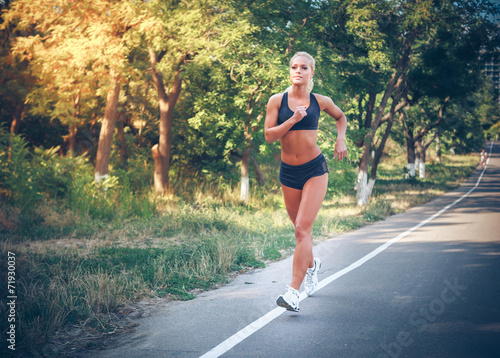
[301, 71]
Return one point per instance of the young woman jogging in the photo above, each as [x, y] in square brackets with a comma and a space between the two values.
[292, 117]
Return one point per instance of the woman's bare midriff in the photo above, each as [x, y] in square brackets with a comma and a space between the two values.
[299, 147]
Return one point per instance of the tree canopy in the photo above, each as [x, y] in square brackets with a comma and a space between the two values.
[184, 85]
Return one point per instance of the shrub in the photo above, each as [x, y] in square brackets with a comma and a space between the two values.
[30, 176]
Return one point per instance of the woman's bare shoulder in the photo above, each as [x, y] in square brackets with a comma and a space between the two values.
[276, 98]
[323, 101]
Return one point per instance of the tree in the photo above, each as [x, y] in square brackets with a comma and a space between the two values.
[254, 71]
[76, 48]
[393, 35]
[417, 120]
[391, 50]
[446, 72]
[180, 37]
[16, 81]
[487, 110]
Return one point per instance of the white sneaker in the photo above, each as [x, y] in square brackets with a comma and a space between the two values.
[290, 300]
[311, 284]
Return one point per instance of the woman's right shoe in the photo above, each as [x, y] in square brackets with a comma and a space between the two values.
[290, 300]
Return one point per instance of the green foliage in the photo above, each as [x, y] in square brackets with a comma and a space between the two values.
[109, 199]
[377, 210]
[495, 130]
[28, 177]
[341, 178]
[15, 176]
[236, 57]
[342, 174]
[486, 108]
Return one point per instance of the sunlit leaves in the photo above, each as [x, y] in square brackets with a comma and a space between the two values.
[71, 48]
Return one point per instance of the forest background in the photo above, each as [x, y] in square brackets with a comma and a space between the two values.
[132, 154]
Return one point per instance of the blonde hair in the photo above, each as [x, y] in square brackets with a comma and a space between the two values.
[312, 62]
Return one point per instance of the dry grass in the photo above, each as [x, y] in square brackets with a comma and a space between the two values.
[9, 218]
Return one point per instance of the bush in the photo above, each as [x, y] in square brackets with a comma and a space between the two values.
[31, 176]
[341, 177]
[31, 179]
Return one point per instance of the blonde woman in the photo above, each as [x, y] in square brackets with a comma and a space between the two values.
[292, 117]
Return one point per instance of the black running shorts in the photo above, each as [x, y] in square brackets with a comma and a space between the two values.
[295, 176]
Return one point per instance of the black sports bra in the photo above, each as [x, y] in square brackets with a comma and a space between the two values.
[309, 122]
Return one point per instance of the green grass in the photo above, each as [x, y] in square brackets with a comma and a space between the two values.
[73, 266]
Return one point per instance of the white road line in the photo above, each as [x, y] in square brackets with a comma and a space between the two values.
[275, 313]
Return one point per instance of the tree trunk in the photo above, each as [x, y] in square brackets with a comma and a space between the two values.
[380, 151]
[17, 118]
[166, 104]
[73, 127]
[158, 178]
[370, 107]
[107, 129]
[438, 137]
[417, 162]
[417, 140]
[362, 194]
[410, 153]
[258, 173]
[361, 187]
[423, 150]
[16, 123]
[421, 162]
[72, 139]
[245, 179]
[121, 139]
[410, 144]
[421, 169]
[247, 131]
[438, 149]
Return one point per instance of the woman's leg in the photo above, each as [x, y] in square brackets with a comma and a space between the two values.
[292, 201]
[303, 207]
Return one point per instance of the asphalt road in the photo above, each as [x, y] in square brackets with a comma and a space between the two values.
[421, 284]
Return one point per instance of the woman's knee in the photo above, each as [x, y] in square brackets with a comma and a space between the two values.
[302, 231]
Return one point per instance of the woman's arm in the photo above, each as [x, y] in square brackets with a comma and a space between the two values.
[273, 132]
[327, 105]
